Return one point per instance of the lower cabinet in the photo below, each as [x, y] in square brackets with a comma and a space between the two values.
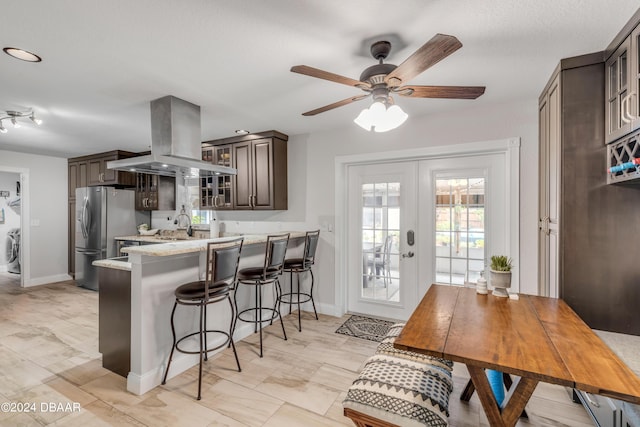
[71, 249]
[114, 319]
[607, 412]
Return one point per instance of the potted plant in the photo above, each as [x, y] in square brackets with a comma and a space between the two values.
[501, 274]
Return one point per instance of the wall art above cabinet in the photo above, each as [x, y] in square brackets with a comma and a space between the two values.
[261, 180]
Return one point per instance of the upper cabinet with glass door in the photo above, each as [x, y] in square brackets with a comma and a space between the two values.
[622, 85]
[617, 92]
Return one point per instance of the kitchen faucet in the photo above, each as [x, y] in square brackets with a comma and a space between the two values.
[180, 223]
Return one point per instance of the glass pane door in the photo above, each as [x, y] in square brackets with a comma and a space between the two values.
[459, 230]
[382, 213]
[380, 237]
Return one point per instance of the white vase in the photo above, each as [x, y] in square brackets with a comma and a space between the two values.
[501, 281]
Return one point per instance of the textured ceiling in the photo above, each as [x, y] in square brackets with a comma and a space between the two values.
[103, 61]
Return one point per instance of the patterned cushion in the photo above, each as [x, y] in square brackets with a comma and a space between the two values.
[386, 347]
[402, 391]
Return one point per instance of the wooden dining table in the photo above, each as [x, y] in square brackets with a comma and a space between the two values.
[530, 338]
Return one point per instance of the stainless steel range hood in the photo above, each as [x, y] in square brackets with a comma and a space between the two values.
[175, 143]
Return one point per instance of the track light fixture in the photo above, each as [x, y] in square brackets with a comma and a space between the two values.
[13, 116]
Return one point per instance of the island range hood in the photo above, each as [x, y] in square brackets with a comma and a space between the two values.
[175, 143]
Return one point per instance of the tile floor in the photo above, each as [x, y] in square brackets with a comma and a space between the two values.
[48, 354]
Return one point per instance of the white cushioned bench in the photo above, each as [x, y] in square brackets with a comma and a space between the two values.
[400, 388]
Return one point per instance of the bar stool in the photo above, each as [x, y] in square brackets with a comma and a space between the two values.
[258, 277]
[301, 265]
[220, 280]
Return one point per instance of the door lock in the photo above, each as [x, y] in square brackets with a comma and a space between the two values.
[408, 255]
[410, 238]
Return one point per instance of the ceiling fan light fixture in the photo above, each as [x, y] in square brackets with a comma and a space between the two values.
[364, 120]
[380, 118]
[393, 118]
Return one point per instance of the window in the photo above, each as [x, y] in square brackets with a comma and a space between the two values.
[459, 230]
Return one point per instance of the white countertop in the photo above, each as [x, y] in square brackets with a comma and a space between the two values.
[165, 248]
[116, 264]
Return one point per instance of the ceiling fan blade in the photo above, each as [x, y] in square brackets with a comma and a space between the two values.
[320, 74]
[452, 92]
[432, 52]
[335, 105]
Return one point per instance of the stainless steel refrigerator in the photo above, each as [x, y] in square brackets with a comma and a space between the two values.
[102, 213]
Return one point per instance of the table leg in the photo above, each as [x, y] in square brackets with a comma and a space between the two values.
[469, 389]
[513, 404]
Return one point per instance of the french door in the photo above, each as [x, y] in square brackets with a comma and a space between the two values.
[382, 217]
[414, 223]
[463, 218]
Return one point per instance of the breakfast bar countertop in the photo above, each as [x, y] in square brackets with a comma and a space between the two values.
[165, 248]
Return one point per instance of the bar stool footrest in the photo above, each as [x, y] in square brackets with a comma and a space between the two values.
[291, 301]
[208, 350]
[274, 314]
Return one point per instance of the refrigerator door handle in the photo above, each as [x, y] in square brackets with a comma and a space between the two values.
[85, 218]
[81, 219]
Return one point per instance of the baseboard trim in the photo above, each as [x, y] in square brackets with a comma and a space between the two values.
[46, 280]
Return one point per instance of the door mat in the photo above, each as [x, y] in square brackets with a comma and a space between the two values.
[366, 328]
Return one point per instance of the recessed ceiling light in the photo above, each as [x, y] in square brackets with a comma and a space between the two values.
[242, 132]
[22, 54]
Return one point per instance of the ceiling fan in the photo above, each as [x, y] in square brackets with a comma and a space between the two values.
[382, 80]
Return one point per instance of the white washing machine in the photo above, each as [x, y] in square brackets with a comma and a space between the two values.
[13, 251]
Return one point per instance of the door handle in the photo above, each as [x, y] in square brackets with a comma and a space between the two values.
[628, 114]
[408, 255]
[591, 401]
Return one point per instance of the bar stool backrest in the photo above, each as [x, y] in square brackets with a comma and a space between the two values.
[310, 246]
[222, 262]
[275, 253]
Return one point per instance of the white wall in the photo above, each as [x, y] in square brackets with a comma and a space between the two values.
[48, 208]
[312, 175]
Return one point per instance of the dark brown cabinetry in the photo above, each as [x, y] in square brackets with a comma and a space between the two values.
[596, 274]
[114, 320]
[261, 180]
[622, 129]
[72, 238]
[622, 84]
[92, 170]
[154, 192]
[87, 171]
[215, 191]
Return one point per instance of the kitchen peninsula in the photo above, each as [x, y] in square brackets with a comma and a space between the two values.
[156, 271]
